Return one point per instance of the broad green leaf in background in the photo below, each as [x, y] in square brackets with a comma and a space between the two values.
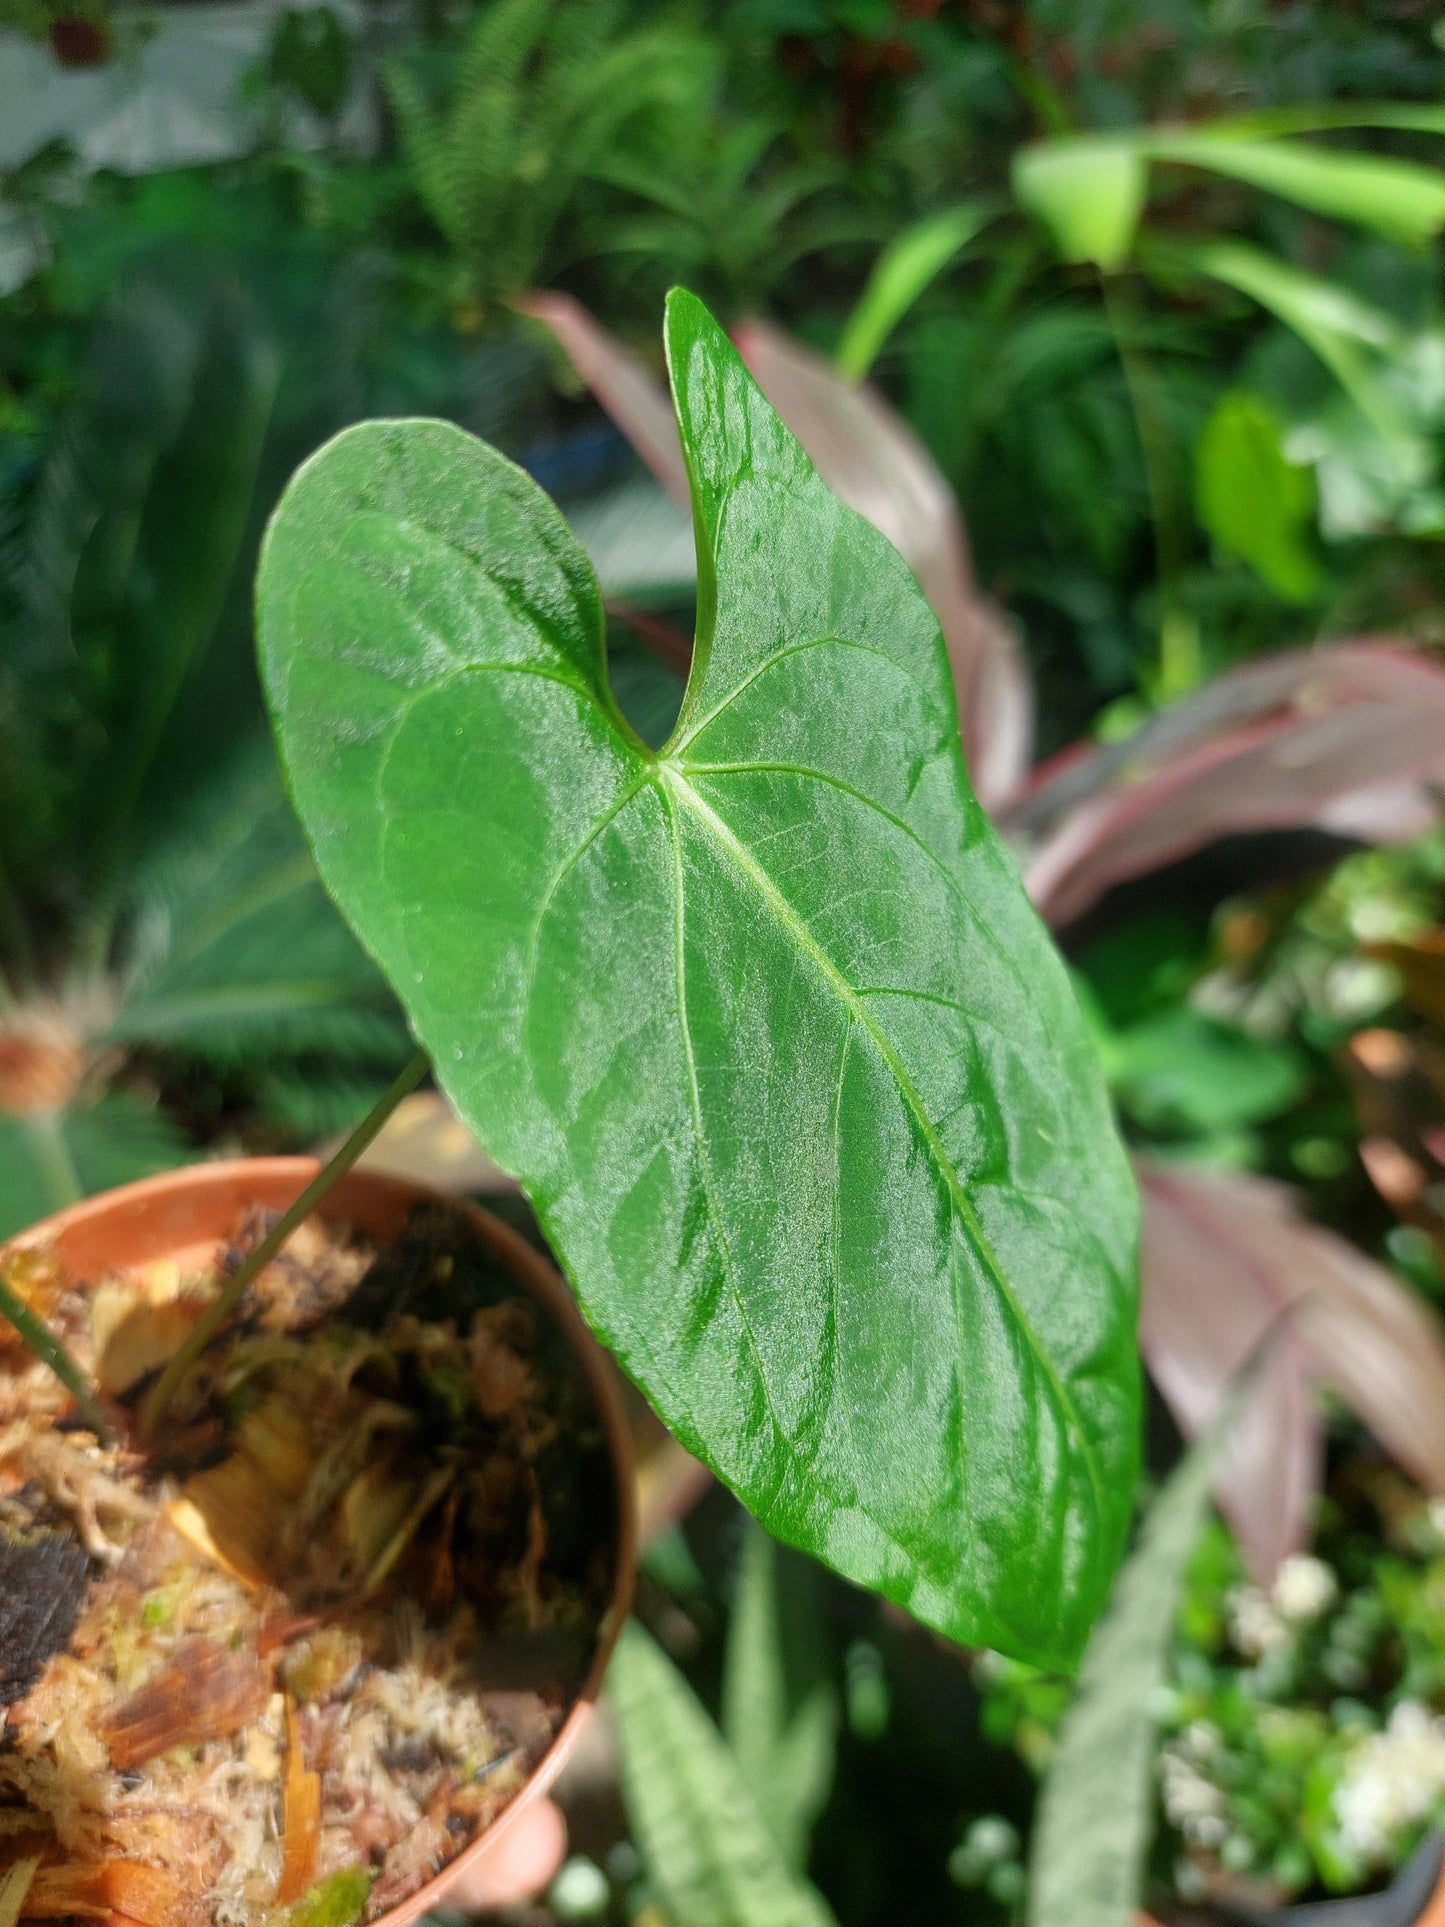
[779, 1705]
[1088, 190]
[762, 1021]
[1400, 199]
[900, 275]
[1254, 501]
[1180, 1069]
[694, 1816]
[1096, 1806]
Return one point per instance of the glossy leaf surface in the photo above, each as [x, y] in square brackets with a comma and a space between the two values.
[763, 1022]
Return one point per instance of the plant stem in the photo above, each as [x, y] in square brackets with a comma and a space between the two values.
[49, 1350]
[158, 1401]
[1178, 645]
[53, 1161]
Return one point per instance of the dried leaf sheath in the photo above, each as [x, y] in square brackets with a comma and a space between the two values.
[301, 1817]
[205, 1693]
[127, 1887]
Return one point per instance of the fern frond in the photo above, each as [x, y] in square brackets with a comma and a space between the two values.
[505, 37]
[235, 950]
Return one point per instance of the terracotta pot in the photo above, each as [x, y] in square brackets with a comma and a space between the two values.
[187, 1216]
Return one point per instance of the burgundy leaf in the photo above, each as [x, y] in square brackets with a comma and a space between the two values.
[1205, 1308]
[1347, 737]
[1224, 1256]
[636, 399]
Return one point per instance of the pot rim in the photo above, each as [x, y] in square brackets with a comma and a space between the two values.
[132, 1206]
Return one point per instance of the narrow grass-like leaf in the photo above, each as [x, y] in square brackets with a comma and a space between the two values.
[1399, 199]
[900, 275]
[779, 1707]
[762, 1021]
[1096, 1807]
[713, 1861]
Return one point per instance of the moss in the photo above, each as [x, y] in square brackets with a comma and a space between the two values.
[336, 1902]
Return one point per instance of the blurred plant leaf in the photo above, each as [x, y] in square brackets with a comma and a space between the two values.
[1288, 741]
[1344, 331]
[779, 1705]
[1088, 190]
[1205, 1310]
[1399, 199]
[905, 268]
[238, 951]
[181, 546]
[1224, 1256]
[632, 395]
[1095, 1812]
[537, 102]
[48, 1161]
[1253, 500]
[1181, 1068]
[783, 885]
[694, 1816]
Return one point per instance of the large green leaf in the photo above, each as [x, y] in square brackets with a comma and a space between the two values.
[763, 1021]
[695, 1816]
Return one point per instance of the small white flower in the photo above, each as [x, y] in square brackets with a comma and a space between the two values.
[1254, 1625]
[1391, 1780]
[1304, 1587]
[1201, 1741]
[1194, 1803]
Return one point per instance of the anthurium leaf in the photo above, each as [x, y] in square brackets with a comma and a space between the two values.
[763, 1021]
[694, 1814]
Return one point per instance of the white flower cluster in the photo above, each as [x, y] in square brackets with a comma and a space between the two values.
[1260, 1623]
[1191, 1800]
[1391, 1780]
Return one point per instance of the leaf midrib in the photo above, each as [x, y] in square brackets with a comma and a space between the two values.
[681, 791]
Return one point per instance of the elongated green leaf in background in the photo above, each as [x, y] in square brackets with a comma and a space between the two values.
[1088, 190]
[900, 275]
[1096, 1806]
[1255, 502]
[694, 1816]
[186, 541]
[779, 1706]
[762, 1021]
[1400, 199]
[1340, 328]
